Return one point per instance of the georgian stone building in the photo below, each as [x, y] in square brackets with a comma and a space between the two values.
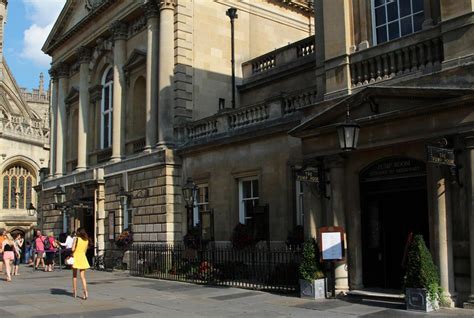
[24, 144]
[142, 101]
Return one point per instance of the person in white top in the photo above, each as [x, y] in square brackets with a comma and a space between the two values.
[67, 245]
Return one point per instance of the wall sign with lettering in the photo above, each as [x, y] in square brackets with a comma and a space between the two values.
[308, 175]
[440, 156]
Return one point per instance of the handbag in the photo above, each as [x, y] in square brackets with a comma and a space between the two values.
[69, 261]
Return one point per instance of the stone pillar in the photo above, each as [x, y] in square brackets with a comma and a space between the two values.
[52, 126]
[470, 189]
[443, 241]
[364, 20]
[119, 32]
[428, 22]
[313, 211]
[61, 119]
[100, 212]
[152, 72]
[354, 230]
[337, 217]
[84, 55]
[166, 72]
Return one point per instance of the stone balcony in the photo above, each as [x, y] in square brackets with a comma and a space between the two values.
[273, 112]
[285, 58]
[421, 51]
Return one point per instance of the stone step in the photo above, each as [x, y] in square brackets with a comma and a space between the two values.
[383, 298]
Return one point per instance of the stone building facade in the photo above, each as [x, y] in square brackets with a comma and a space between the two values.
[24, 144]
[401, 69]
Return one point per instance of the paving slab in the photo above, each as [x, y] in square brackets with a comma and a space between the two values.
[40, 295]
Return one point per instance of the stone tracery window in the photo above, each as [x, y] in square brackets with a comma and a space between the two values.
[17, 187]
[106, 109]
[396, 18]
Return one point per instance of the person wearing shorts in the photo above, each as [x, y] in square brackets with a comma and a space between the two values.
[8, 248]
[39, 248]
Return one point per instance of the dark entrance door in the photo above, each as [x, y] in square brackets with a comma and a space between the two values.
[394, 204]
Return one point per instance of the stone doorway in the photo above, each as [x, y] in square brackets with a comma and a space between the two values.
[394, 204]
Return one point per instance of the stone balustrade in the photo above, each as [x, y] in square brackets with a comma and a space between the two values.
[408, 54]
[298, 100]
[279, 57]
[248, 116]
[20, 127]
[135, 145]
[229, 121]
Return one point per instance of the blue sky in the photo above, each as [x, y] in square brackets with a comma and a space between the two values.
[28, 24]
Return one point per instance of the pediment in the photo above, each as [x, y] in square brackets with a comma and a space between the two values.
[72, 96]
[376, 103]
[137, 58]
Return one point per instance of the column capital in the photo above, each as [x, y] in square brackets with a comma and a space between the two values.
[151, 10]
[84, 54]
[62, 70]
[53, 73]
[119, 30]
[166, 4]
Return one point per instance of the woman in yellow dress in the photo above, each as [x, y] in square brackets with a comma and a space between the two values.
[79, 249]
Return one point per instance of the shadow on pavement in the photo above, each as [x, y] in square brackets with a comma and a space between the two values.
[58, 291]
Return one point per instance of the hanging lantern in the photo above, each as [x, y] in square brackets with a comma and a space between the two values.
[348, 133]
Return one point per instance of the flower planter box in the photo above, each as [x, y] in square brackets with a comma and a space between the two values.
[315, 289]
[417, 299]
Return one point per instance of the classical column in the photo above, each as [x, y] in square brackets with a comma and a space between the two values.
[166, 72]
[84, 55]
[119, 32]
[364, 25]
[61, 119]
[470, 187]
[443, 241]
[151, 14]
[354, 229]
[337, 217]
[52, 126]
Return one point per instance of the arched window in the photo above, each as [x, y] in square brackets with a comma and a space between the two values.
[106, 109]
[17, 187]
[396, 18]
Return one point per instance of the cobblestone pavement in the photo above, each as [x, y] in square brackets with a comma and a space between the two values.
[47, 295]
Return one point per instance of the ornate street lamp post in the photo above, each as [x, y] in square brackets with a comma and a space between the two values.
[232, 14]
[60, 199]
[348, 133]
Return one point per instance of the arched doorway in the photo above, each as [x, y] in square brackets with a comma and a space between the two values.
[394, 204]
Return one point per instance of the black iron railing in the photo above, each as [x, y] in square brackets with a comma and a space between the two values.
[274, 269]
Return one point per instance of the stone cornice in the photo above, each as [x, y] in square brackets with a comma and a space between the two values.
[119, 30]
[84, 54]
[301, 6]
[53, 44]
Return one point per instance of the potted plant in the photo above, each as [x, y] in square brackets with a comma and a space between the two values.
[313, 281]
[123, 242]
[421, 279]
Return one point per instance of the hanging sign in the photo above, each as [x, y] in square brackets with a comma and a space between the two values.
[440, 156]
[331, 241]
[308, 175]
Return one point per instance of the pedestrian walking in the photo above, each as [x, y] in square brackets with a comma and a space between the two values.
[28, 249]
[50, 246]
[18, 248]
[39, 247]
[67, 246]
[79, 249]
[8, 249]
[3, 236]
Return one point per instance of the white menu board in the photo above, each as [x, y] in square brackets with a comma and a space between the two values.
[331, 246]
